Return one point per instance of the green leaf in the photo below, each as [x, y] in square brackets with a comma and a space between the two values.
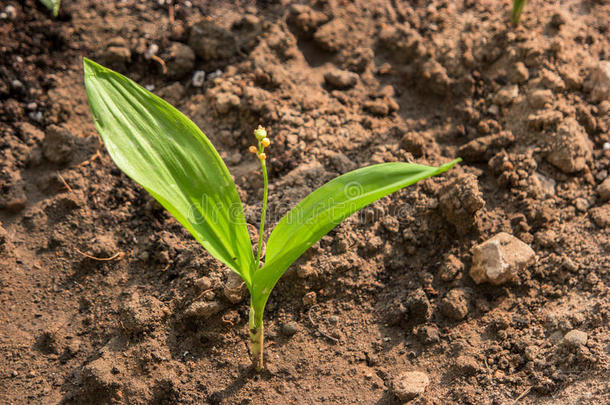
[322, 210]
[161, 149]
[52, 5]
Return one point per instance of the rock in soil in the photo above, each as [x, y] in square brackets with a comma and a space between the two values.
[460, 201]
[604, 190]
[180, 60]
[455, 305]
[203, 309]
[211, 42]
[418, 305]
[58, 144]
[340, 79]
[570, 147]
[409, 385]
[289, 328]
[234, 289]
[500, 259]
[575, 338]
[601, 215]
[598, 82]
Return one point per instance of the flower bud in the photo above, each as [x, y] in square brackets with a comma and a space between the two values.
[260, 133]
[253, 149]
[265, 142]
[262, 156]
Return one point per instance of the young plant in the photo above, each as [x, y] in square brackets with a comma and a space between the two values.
[52, 5]
[518, 6]
[163, 151]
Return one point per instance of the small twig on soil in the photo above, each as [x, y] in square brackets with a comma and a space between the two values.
[161, 62]
[118, 256]
[65, 182]
[203, 292]
[171, 13]
[317, 327]
[523, 394]
[91, 159]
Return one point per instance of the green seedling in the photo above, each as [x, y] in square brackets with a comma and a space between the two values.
[518, 6]
[52, 5]
[163, 151]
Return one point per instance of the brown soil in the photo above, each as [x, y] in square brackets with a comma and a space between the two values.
[339, 84]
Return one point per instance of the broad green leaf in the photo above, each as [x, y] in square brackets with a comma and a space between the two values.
[52, 5]
[161, 149]
[322, 210]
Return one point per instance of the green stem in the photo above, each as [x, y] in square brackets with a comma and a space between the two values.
[518, 6]
[257, 338]
[262, 226]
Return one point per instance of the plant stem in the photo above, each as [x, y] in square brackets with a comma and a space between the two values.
[257, 338]
[518, 6]
[262, 226]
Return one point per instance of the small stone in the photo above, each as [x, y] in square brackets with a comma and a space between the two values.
[459, 202]
[377, 107]
[211, 42]
[467, 365]
[575, 338]
[601, 215]
[198, 78]
[506, 95]
[234, 289]
[203, 284]
[172, 93]
[570, 148]
[499, 259]
[289, 328]
[455, 305]
[180, 60]
[341, 79]
[518, 73]
[540, 98]
[604, 190]
[11, 12]
[413, 143]
[152, 50]
[225, 102]
[581, 204]
[203, 310]
[598, 82]
[57, 144]
[418, 305]
[409, 385]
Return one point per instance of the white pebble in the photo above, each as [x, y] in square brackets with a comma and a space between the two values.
[215, 74]
[149, 87]
[36, 116]
[606, 145]
[11, 12]
[151, 51]
[198, 78]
